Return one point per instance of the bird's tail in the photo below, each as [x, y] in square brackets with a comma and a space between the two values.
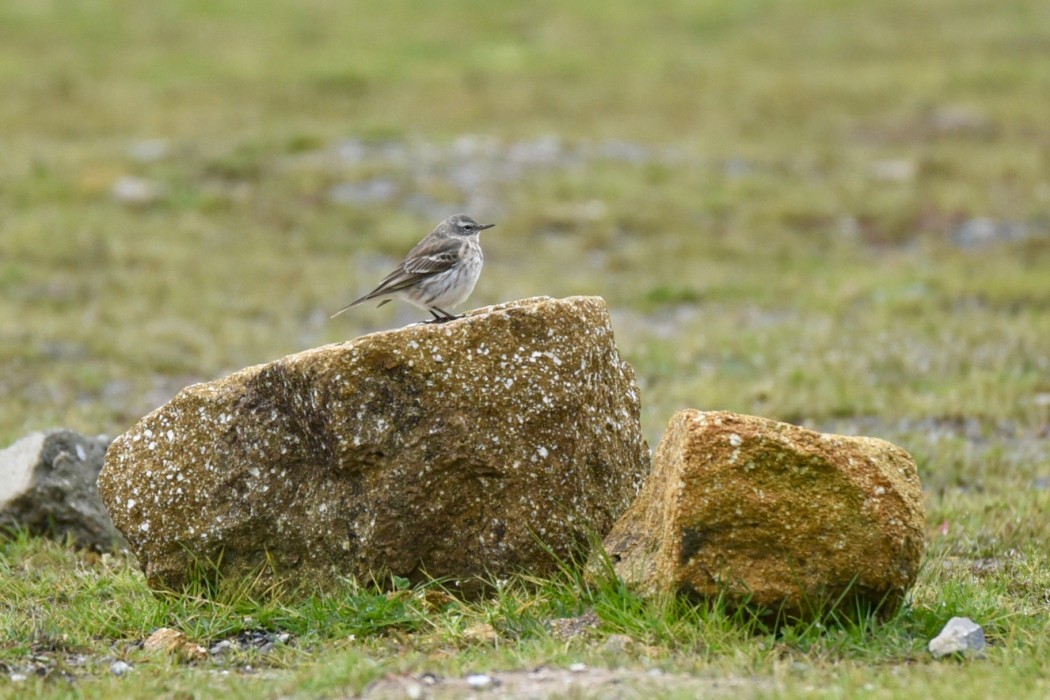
[356, 302]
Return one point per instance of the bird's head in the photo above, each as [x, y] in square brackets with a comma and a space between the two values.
[463, 225]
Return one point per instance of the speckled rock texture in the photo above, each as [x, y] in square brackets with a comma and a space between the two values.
[445, 450]
[47, 486]
[773, 516]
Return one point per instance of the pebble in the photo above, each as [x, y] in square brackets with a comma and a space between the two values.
[896, 170]
[617, 644]
[136, 191]
[119, 668]
[149, 150]
[479, 680]
[220, 648]
[960, 635]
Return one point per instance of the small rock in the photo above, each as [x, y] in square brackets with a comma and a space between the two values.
[949, 120]
[48, 486]
[137, 191]
[149, 150]
[481, 632]
[773, 516]
[436, 600]
[479, 680]
[174, 642]
[570, 627]
[220, 648]
[120, 668]
[617, 644]
[163, 639]
[577, 667]
[17, 677]
[960, 635]
[897, 170]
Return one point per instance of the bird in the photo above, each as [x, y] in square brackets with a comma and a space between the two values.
[439, 273]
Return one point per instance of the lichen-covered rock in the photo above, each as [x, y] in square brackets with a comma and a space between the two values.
[47, 486]
[448, 450]
[774, 516]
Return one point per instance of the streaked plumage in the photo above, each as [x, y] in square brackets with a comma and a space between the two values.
[439, 273]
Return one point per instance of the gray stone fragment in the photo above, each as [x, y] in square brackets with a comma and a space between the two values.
[47, 485]
[120, 668]
[961, 634]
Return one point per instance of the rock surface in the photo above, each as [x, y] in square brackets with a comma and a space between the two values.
[960, 635]
[47, 485]
[774, 516]
[446, 450]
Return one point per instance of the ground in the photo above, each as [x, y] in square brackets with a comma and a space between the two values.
[830, 213]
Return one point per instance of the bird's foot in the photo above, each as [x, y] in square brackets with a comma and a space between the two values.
[441, 316]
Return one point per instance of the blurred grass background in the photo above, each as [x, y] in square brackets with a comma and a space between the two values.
[773, 197]
[831, 212]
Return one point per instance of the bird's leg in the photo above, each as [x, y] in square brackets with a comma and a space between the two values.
[440, 315]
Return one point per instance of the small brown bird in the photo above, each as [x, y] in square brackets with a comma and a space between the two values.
[439, 273]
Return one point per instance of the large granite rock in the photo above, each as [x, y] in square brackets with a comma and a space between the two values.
[449, 450]
[47, 486]
[773, 516]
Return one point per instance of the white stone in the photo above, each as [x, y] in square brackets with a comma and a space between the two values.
[961, 634]
[17, 464]
[479, 680]
[137, 191]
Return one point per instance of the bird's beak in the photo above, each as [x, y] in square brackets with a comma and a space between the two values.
[482, 227]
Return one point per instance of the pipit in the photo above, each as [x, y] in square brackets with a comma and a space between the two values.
[439, 273]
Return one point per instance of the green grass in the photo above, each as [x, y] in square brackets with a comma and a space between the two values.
[769, 196]
[68, 616]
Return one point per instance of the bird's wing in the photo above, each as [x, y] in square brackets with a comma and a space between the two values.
[428, 258]
[432, 256]
[434, 263]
